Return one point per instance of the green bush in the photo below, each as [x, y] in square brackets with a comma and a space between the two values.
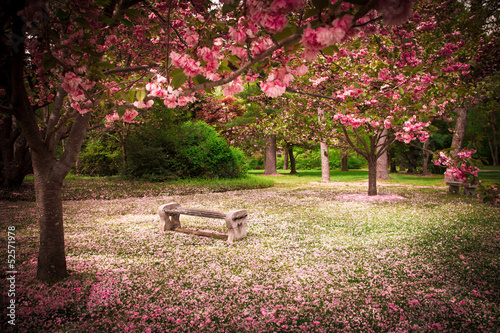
[191, 150]
[99, 158]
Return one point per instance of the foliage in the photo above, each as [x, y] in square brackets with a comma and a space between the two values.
[99, 158]
[190, 150]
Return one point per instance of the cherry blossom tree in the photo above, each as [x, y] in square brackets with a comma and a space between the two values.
[64, 63]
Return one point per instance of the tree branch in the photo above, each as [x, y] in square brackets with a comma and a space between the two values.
[295, 91]
[131, 69]
[243, 69]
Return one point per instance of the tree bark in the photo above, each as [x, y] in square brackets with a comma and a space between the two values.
[285, 160]
[325, 158]
[458, 134]
[289, 148]
[344, 161]
[15, 153]
[383, 160]
[492, 139]
[270, 157]
[325, 163]
[372, 175]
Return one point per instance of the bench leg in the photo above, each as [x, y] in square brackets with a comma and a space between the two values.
[453, 189]
[169, 221]
[236, 223]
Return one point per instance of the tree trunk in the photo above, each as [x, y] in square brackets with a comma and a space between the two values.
[372, 175]
[325, 158]
[293, 170]
[270, 158]
[344, 161]
[48, 188]
[325, 163]
[458, 134]
[383, 160]
[425, 158]
[402, 167]
[15, 153]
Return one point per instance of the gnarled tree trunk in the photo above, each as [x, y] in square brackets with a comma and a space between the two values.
[372, 175]
[15, 153]
[383, 160]
[325, 163]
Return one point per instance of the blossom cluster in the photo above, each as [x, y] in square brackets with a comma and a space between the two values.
[459, 167]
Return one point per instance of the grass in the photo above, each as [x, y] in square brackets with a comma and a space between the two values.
[312, 261]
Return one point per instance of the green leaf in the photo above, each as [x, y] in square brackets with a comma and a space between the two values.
[48, 62]
[126, 23]
[120, 109]
[141, 94]
[231, 7]
[175, 72]
[178, 80]
[83, 22]
[287, 32]
[199, 79]
[131, 95]
[330, 49]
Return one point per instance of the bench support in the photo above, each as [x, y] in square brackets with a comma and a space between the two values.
[236, 221]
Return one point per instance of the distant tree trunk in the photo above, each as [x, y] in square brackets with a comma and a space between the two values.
[15, 153]
[285, 160]
[383, 161]
[270, 157]
[325, 158]
[372, 175]
[425, 158]
[492, 140]
[392, 160]
[402, 167]
[458, 134]
[289, 148]
[325, 163]
[344, 161]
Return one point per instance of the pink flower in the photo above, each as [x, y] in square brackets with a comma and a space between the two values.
[273, 88]
[112, 117]
[238, 35]
[302, 70]
[129, 115]
[233, 87]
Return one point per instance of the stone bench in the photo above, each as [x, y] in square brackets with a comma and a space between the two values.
[454, 188]
[236, 221]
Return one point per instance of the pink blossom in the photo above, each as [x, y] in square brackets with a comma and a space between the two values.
[129, 115]
[142, 105]
[273, 88]
[238, 51]
[261, 45]
[238, 35]
[191, 37]
[302, 70]
[233, 87]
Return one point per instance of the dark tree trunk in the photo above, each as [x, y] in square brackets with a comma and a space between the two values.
[372, 175]
[270, 158]
[289, 148]
[344, 161]
[48, 188]
[492, 139]
[15, 153]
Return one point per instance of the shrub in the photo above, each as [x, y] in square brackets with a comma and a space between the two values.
[311, 160]
[99, 158]
[190, 150]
